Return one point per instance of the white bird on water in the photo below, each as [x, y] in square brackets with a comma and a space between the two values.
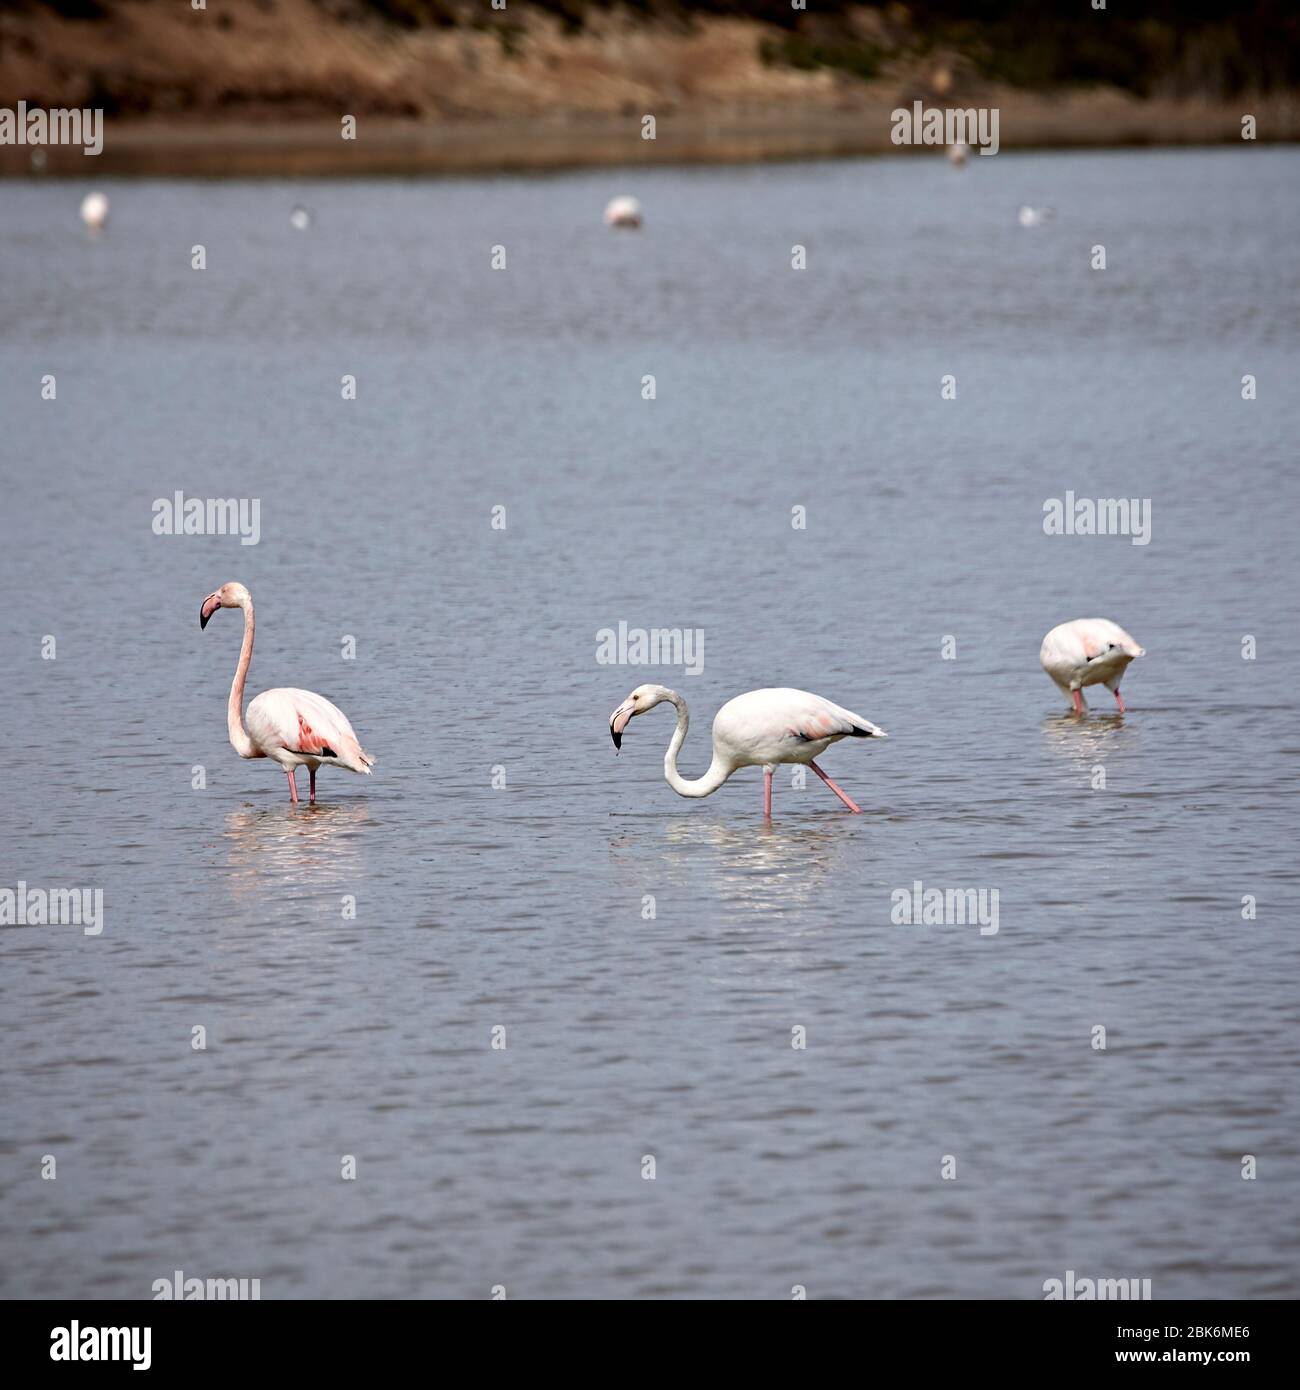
[758, 729]
[1088, 651]
[1033, 217]
[94, 210]
[623, 211]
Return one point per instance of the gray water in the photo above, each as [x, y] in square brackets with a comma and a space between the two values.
[522, 906]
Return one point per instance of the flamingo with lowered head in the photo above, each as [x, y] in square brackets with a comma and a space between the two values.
[1088, 651]
[295, 728]
[623, 211]
[758, 729]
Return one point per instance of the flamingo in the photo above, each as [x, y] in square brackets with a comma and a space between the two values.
[1088, 651]
[623, 211]
[296, 728]
[957, 153]
[94, 210]
[758, 729]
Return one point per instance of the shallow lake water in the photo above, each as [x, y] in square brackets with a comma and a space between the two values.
[502, 859]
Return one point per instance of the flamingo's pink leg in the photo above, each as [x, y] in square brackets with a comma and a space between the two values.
[1076, 698]
[293, 786]
[767, 793]
[1119, 700]
[853, 806]
[311, 772]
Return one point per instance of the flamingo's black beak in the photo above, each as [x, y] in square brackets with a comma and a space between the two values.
[207, 608]
[618, 722]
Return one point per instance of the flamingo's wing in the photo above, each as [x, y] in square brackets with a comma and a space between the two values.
[812, 718]
[771, 717]
[304, 722]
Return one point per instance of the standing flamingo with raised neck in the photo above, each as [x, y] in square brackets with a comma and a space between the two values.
[1088, 651]
[295, 728]
[758, 729]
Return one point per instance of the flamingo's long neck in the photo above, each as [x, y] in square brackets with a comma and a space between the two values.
[243, 745]
[719, 768]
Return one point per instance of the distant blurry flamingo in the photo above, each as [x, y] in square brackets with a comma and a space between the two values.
[759, 729]
[1088, 651]
[957, 153]
[623, 211]
[295, 728]
[94, 211]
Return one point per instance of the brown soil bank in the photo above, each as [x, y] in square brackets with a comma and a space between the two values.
[262, 86]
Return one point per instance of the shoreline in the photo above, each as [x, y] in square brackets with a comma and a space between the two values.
[313, 148]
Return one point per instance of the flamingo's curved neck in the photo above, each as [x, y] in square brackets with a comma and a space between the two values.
[243, 745]
[719, 769]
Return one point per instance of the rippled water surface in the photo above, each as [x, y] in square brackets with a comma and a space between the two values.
[523, 906]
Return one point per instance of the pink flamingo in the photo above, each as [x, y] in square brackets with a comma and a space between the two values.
[1088, 651]
[758, 729]
[296, 728]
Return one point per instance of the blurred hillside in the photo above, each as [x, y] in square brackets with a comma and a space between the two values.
[442, 75]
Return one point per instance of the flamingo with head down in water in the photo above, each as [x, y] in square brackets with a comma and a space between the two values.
[1088, 651]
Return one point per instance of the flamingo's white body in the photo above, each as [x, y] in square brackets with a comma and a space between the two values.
[1088, 651]
[94, 210]
[759, 729]
[957, 153]
[294, 728]
[623, 211]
